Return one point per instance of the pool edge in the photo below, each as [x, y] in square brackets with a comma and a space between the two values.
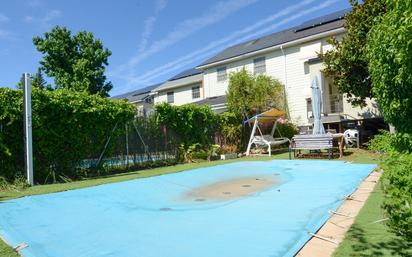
[331, 234]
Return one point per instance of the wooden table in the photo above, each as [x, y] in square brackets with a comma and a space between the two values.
[340, 139]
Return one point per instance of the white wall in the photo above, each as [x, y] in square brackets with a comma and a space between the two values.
[297, 77]
[182, 95]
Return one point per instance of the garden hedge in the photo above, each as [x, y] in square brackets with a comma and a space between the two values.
[68, 127]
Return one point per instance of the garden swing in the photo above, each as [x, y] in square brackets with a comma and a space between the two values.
[259, 139]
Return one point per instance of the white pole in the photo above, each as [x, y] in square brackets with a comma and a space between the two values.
[28, 147]
[251, 137]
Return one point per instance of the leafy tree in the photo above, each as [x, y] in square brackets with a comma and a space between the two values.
[390, 64]
[76, 61]
[348, 62]
[249, 94]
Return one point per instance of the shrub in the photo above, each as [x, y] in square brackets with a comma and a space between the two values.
[192, 125]
[397, 184]
[231, 129]
[286, 130]
[386, 142]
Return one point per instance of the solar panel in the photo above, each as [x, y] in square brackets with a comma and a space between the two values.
[322, 20]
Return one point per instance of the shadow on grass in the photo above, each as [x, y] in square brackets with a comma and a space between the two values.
[393, 245]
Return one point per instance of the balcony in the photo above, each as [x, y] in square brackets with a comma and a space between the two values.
[332, 109]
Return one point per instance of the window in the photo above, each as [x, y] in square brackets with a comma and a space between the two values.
[170, 97]
[259, 65]
[221, 74]
[195, 92]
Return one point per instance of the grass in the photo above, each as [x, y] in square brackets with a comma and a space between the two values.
[366, 238]
[356, 156]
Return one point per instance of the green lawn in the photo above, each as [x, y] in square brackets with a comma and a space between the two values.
[347, 249]
[366, 238]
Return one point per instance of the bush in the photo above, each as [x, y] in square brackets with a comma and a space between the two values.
[231, 130]
[68, 127]
[286, 130]
[386, 142]
[192, 125]
[397, 183]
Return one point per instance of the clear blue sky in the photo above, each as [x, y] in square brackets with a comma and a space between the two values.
[150, 40]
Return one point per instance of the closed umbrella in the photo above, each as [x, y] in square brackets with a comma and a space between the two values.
[317, 107]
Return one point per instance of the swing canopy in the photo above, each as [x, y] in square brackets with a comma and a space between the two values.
[266, 116]
[259, 139]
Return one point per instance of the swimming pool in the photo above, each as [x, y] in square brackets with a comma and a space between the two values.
[265, 209]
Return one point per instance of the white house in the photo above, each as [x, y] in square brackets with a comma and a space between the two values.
[185, 87]
[291, 56]
[141, 98]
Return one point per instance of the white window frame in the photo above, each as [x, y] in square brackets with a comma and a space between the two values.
[259, 65]
[170, 97]
[220, 76]
[195, 92]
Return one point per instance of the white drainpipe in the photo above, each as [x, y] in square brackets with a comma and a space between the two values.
[286, 81]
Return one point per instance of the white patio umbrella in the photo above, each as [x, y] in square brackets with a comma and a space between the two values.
[317, 107]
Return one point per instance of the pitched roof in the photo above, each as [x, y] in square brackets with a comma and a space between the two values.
[137, 95]
[312, 27]
[214, 100]
[186, 73]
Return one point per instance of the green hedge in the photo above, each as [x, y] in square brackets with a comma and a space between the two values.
[397, 180]
[68, 127]
[192, 124]
[397, 184]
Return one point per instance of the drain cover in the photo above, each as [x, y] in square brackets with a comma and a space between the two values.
[165, 209]
[226, 193]
[200, 199]
[246, 185]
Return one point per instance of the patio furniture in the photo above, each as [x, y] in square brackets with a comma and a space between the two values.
[352, 137]
[265, 140]
[311, 142]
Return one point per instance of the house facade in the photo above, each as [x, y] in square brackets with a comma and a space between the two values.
[290, 56]
[186, 87]
[142, 98]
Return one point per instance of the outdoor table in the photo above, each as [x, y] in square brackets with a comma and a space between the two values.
[340, 139]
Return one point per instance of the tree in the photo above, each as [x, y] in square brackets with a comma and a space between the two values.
[76, 62]
[38, 81]
[249, 94]
[348, 62]
[390, 64]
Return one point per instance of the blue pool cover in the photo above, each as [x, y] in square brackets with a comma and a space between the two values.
[126, 219]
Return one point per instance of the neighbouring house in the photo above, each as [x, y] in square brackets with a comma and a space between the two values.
[185, 87]
[141, 98]
[291, 56]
